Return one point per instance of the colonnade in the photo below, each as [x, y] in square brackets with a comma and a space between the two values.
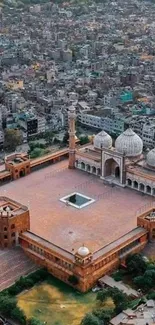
[140, 186]
[88, 168]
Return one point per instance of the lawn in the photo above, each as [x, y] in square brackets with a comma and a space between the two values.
[56, 303]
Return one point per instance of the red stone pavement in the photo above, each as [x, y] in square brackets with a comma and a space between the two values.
[13, 264]
[111, 215]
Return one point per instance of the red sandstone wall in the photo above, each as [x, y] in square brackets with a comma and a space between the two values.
[87, 275]
[10, 227]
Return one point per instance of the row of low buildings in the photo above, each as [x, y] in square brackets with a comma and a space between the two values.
[107, 66]
[115, 124]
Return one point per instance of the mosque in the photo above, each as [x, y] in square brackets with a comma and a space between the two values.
[124, 164]
[81, 221]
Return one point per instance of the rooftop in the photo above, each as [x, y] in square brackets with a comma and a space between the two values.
[110, 282]
[144, 314]
[10, 207]
[110, 216]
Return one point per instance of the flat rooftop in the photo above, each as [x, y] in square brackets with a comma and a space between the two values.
[113, 214]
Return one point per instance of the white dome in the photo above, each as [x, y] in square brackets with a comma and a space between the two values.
[102, 139]
[7, 209]
[129, 143]
[83, 251]
[150, 158]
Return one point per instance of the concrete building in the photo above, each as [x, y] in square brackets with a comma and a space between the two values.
[144, 314]
[41, 125]
[29, 123]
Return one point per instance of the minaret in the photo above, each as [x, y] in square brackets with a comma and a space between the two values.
[71, 117]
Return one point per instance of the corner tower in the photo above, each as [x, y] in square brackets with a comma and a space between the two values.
[71, 118]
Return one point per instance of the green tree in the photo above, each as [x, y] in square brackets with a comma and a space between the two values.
[18, 315]
[34, 321]
[151, 295]
[120, 299]
[104, 315]
[139, 281]
[37, 152]
[150, 274]
[7, 304]
[48, 136]
[136, 264]
[12, 138]
[102, 295]
[151, 266]
[145, 281]
[84, 140]
[90, 319]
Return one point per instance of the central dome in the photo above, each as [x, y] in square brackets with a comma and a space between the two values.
[150, 159]
[102, 139]
[129, 143]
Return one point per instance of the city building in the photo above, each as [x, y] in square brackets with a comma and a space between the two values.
[41, 125]
[29, 123]
[144, 314]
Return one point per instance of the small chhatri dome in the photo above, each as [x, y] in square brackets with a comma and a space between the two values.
[150, 158]
[83, 251]
[102, 139]
[129, 143]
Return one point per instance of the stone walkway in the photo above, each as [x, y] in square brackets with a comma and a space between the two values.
[13, 264]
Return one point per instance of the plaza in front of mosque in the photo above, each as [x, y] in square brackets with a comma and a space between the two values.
[85, 219]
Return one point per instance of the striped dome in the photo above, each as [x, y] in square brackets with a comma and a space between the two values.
[129, 143]
[150, 158]
[102, 140]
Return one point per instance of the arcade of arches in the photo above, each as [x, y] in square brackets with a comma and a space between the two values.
[134, 184]
[88, 168]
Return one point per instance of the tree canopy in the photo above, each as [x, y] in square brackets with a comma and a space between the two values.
[34, 321]
[119, 298]
[136, 264]
[90, 319]
[12, 138]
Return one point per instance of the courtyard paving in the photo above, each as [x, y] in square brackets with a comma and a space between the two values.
[13, 264]
[113, 214]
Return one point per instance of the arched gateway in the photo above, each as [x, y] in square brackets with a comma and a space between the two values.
[111, 168]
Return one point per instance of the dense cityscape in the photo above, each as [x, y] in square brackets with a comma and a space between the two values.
[99, 56]
[77, 162]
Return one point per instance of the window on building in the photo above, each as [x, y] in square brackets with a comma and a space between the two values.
[5, 237]
[5, 228]
[12, 226]
[13, 234]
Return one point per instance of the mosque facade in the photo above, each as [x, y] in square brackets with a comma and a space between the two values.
[123, 164]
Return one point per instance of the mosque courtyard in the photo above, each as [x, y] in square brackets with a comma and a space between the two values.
[111, 213]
